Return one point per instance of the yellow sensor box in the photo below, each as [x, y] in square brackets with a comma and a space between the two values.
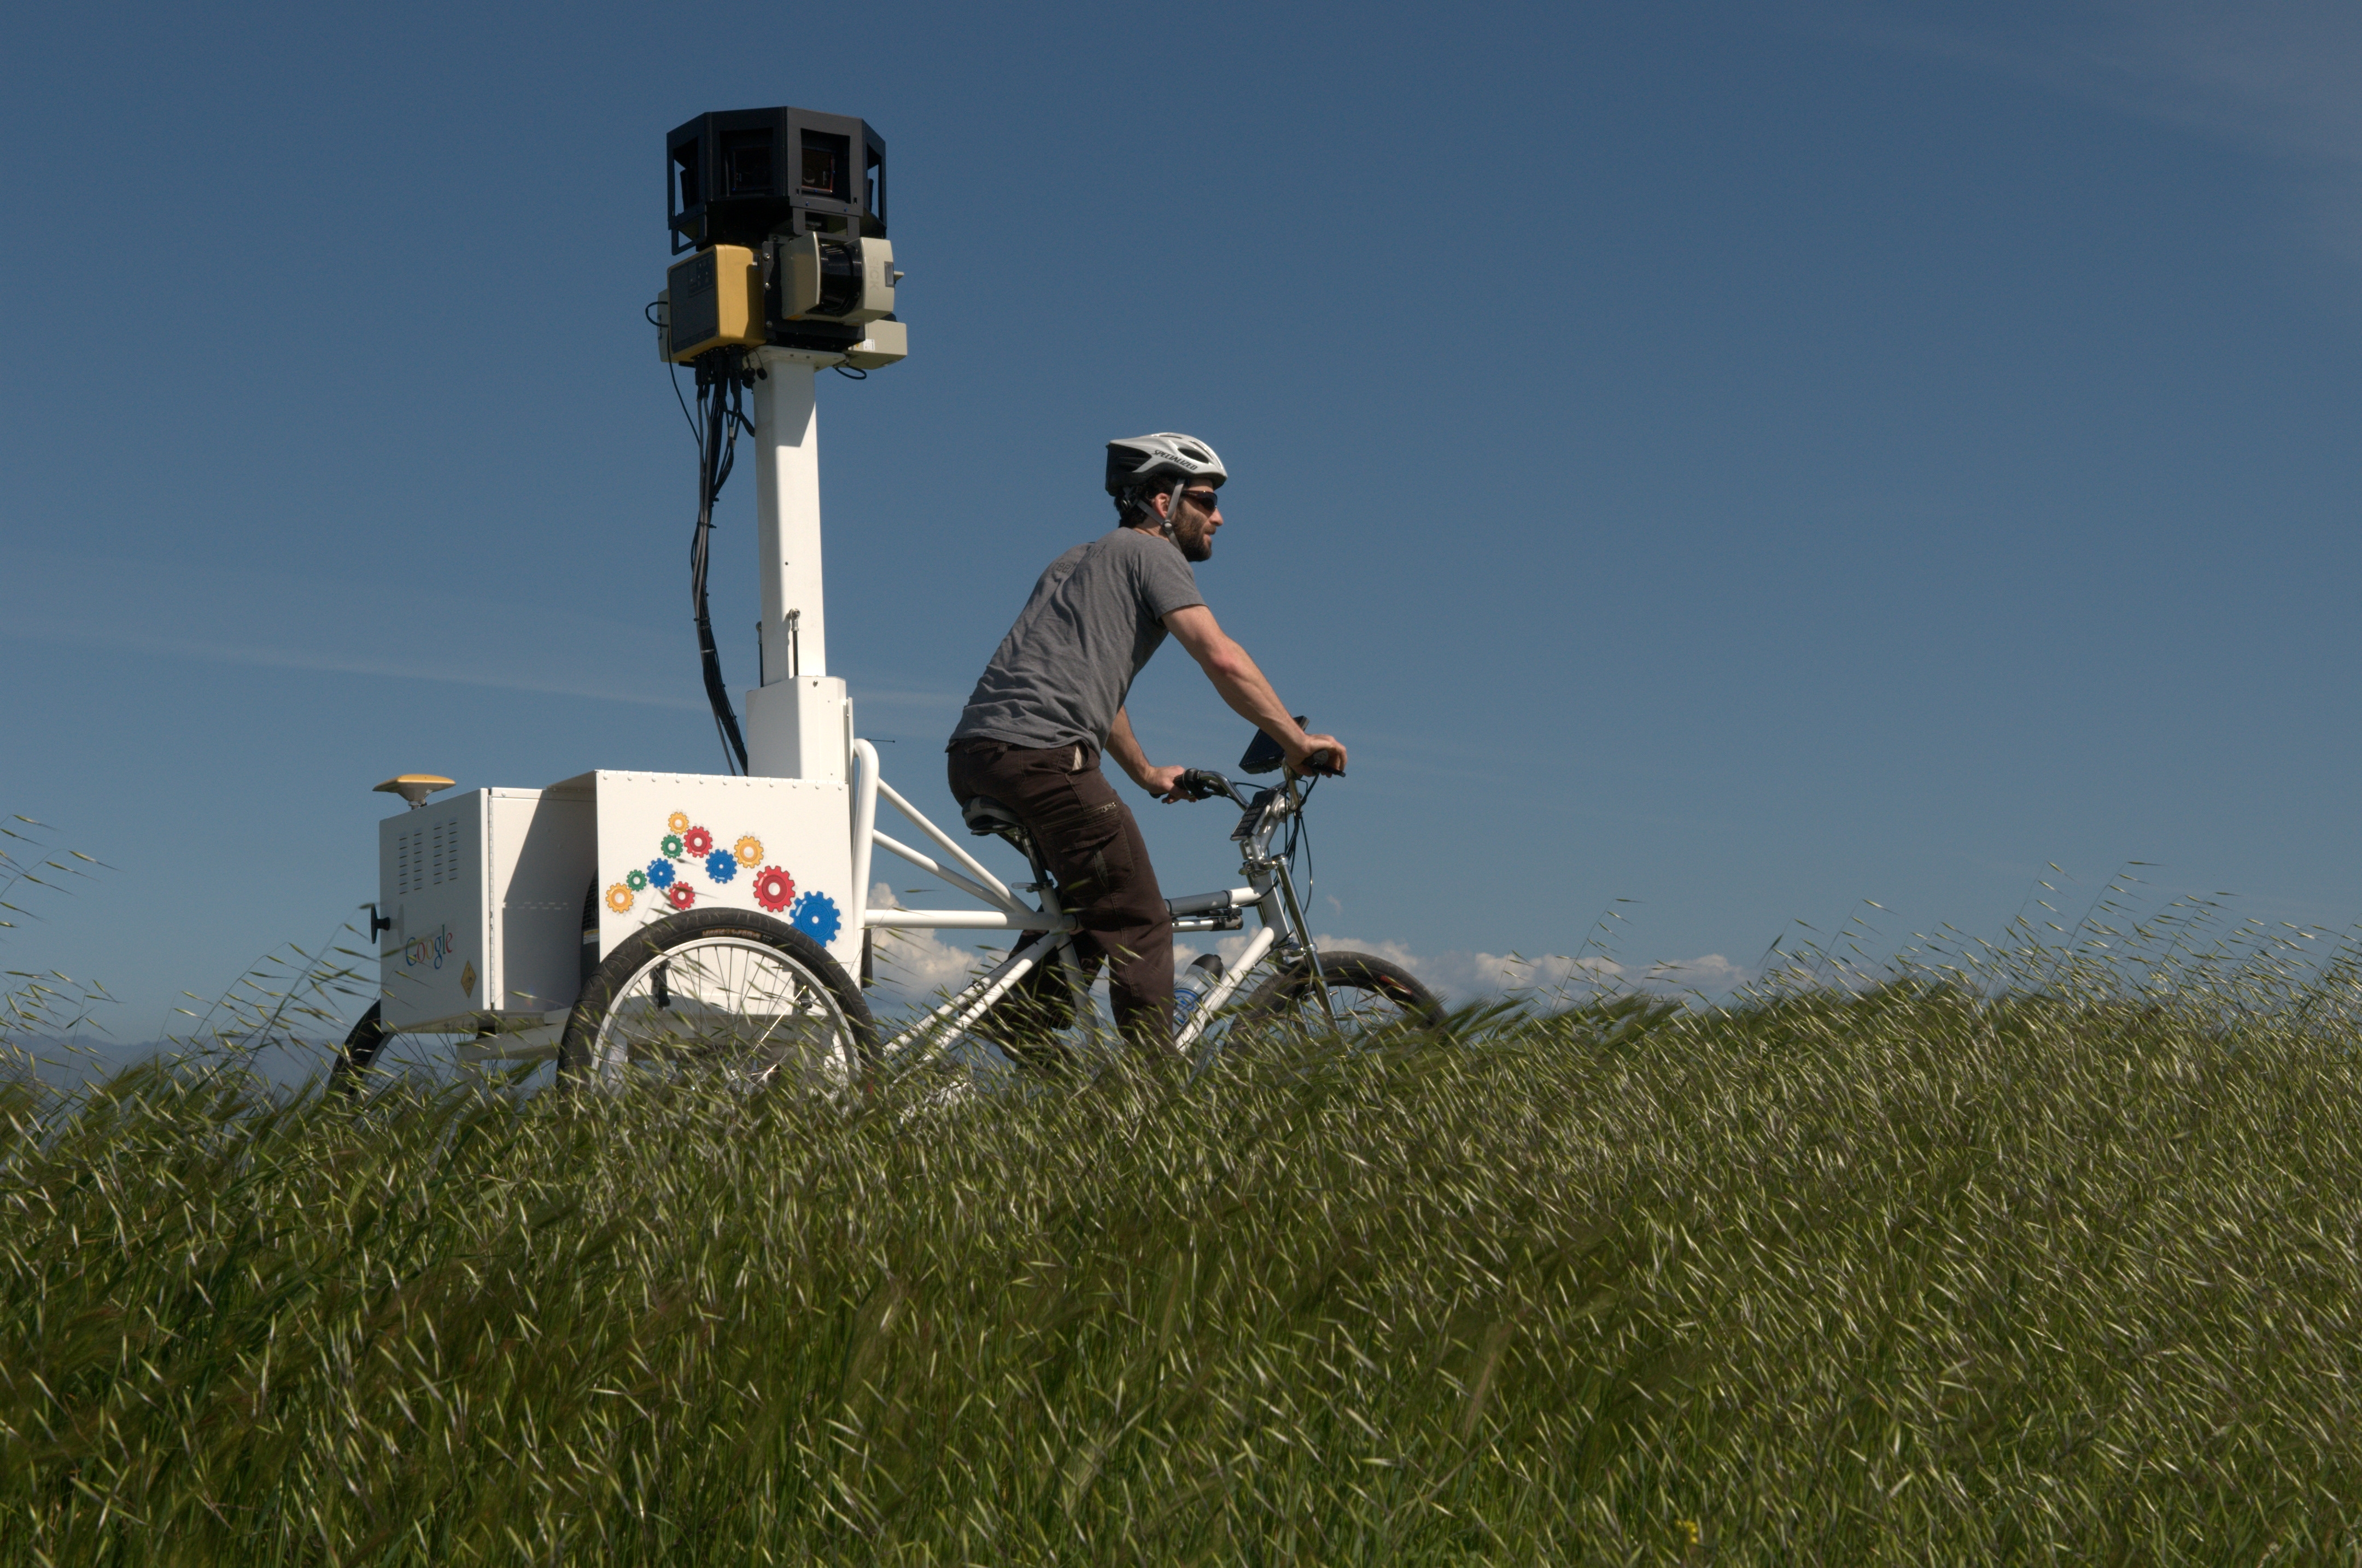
[716, 299]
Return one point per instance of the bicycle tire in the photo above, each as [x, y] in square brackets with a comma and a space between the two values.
[754, 996]
[1376, 999]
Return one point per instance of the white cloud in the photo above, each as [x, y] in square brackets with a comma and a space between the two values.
[2275, 75]
[921, 966]
[488, 673]
[1482, 977]
[914, 966]
[1711, 974]
[287, 622]
[2280, 75]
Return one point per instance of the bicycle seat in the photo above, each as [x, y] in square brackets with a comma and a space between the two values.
[986, 815]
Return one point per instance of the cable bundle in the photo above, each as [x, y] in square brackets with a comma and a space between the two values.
[723, 379]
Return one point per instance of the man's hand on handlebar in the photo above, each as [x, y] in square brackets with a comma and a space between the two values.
[1322, 756]
[1166, 784]
[1195, 784]
[1174, 784]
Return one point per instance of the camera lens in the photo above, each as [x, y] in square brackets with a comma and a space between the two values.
[745, 163]
[840, 279]
[750, 171]
[820, 170]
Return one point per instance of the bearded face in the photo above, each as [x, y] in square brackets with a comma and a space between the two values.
[1194, 535]
[1194, 527]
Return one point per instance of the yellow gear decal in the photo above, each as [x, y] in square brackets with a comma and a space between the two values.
[677, 822]
[749, 851]
[619, 899]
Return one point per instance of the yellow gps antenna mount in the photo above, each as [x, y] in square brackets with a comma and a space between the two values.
[413, 786]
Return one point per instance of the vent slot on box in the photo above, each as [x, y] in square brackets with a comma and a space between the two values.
[428, 858]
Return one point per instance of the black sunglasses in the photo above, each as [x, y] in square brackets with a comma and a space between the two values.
[1206, 499]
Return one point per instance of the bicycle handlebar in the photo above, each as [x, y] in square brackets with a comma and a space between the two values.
[1198, 783]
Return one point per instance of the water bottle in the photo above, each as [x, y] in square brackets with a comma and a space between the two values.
[1195, 982]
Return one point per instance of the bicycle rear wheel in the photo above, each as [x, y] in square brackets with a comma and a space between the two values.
[1375, 1002]
[724, 996]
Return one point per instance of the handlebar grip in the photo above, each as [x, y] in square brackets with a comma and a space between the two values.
[1323, 761]
[1195, 784]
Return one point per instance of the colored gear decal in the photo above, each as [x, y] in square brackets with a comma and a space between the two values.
[817, 917]
[619, 898]
[670, 848]
[698, 841]
[636, 880]
[660, 873]
[677, 822]
[681, 894]
[774, 890]
[720, 866]
[749, 851]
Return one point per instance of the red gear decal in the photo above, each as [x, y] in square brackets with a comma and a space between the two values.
[681, 894]
[699, 842]
[775, 889]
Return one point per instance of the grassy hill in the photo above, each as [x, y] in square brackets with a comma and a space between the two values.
[1905, 1274]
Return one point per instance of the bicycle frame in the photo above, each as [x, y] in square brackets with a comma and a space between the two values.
[1270, 892]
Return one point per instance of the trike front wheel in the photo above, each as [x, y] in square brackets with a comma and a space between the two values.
[1374, 1002]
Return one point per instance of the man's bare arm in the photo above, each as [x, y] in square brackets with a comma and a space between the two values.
[1243, 685]
[1125, 747]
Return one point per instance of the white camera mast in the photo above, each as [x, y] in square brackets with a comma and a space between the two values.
[799, 719]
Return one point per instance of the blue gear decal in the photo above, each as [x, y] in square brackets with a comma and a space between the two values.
[720, 866]
[660, 873]
[815, 915]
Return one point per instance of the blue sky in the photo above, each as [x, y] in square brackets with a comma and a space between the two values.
[1740, 459]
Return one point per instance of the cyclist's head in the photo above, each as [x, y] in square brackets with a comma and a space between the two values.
[1141, 467]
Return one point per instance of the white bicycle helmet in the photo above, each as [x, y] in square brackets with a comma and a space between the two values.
[1139, 460]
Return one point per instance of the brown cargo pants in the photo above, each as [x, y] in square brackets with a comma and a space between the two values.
[1095, 853]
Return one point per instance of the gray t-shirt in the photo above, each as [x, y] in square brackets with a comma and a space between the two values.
[1060, 675]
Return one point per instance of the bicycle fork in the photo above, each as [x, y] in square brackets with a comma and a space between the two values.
[1301, 934]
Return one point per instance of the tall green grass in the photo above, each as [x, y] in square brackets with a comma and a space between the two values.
[2050, 1259]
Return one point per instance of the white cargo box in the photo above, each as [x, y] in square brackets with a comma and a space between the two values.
[487, 891]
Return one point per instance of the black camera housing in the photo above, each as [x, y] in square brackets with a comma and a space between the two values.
[740, 176]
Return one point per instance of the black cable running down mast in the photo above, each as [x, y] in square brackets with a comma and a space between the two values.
[721, 387]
